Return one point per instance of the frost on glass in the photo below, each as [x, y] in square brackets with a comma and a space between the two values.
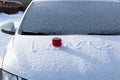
[72, 17]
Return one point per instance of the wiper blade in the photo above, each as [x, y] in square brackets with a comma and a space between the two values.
[33, 33]
[103, 34]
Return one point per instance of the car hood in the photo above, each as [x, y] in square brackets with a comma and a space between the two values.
[79, 58]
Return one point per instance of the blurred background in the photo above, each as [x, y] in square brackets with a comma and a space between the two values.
[13, 6]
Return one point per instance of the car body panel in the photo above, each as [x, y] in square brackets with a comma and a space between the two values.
[80, 57]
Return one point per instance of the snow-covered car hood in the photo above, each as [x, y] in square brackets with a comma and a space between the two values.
[79, 58]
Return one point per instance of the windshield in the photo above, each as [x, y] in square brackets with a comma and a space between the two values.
[71, 17]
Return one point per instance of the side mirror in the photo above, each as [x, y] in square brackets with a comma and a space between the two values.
[8, 28]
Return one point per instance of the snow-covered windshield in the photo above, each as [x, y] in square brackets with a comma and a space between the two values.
[72, 17]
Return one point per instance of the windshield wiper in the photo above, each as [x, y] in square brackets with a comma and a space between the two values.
[33, 33]
[103, 34]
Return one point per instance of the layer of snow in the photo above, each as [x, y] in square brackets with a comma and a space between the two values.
[81, 57]
[4, 38]
[73, 18]
[14, 17]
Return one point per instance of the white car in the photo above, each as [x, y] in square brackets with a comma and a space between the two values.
[64, 40]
